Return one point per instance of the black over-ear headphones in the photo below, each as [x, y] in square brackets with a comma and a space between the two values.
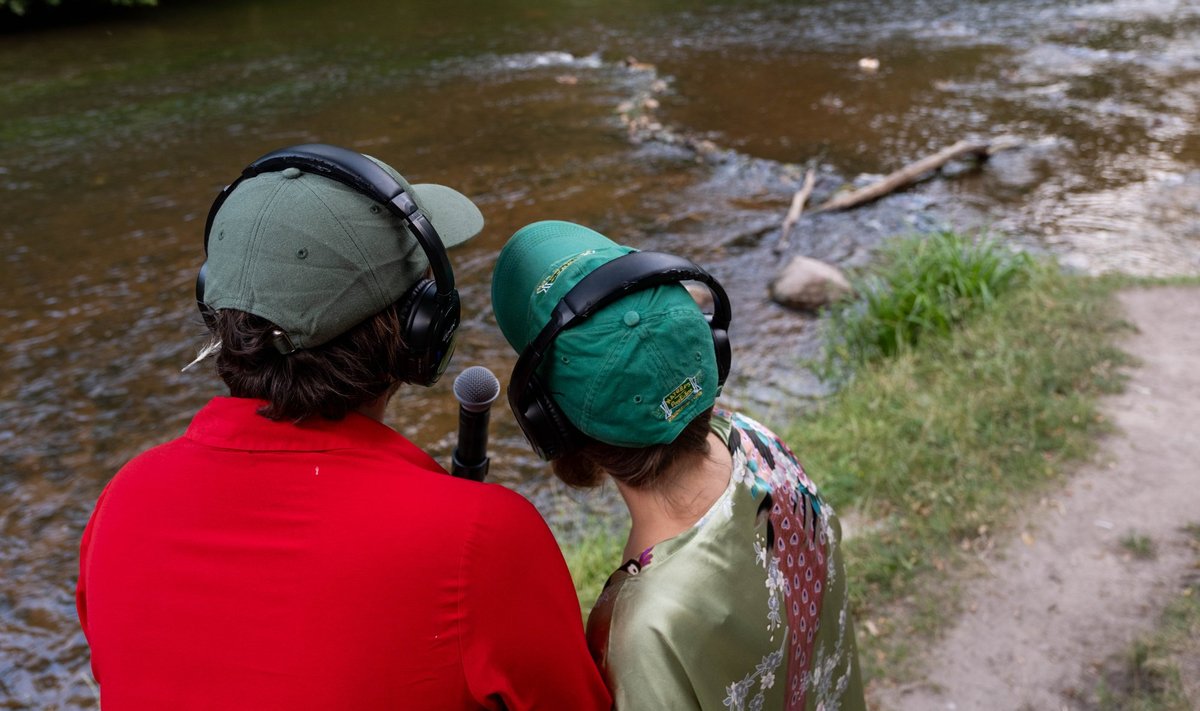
[430, 311]
[545, 425]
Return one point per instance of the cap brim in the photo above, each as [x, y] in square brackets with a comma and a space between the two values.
[453, 215]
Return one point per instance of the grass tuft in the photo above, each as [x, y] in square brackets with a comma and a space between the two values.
[1139, 545]
[926, 287]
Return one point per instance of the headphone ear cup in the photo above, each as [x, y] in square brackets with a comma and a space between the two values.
[546, 427]
[430, 323]
[206, 312]
[724, 354]
[414, 314]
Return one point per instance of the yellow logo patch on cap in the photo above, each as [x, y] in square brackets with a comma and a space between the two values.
[675, 400]
[554, 275]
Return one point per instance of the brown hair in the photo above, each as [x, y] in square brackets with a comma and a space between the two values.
[329, 380]
[649, 467]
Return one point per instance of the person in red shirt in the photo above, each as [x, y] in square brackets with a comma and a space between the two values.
[291, 551]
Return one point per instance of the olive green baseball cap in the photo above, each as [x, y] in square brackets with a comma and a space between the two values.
[316, 257]
[633, 374]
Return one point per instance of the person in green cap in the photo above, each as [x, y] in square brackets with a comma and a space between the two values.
[292, 551]
[733, 593]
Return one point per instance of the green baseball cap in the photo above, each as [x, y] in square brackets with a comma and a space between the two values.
[315, 257]
[633, 374]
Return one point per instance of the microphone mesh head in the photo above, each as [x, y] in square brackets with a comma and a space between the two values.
[476, 388]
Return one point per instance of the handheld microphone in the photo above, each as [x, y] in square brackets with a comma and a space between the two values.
[476, 388]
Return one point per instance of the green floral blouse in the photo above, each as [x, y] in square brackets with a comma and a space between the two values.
[745, 610]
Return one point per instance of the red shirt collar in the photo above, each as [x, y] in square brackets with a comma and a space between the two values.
[234, 423]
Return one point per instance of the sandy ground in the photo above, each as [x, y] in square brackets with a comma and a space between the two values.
[1065, 595]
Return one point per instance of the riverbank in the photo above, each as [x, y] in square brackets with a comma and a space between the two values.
[937, 457]
[929, 455]
[1083, 568]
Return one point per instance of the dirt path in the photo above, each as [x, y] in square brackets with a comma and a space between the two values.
[1066, 594]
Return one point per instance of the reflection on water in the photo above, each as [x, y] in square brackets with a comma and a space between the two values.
[116, 137]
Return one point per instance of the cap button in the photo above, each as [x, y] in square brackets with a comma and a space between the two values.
[632, 318]
[292, 172]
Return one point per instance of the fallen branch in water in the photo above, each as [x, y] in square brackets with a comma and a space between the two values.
[912, 172]
[793, 214]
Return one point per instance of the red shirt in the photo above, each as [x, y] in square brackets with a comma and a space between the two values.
[253, 564]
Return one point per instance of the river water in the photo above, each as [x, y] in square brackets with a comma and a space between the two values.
[114, 138]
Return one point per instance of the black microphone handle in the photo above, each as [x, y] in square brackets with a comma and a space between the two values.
[476, 388]
[470, 460]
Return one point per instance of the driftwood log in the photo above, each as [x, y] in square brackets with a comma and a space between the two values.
[793, 213]
[912, 172]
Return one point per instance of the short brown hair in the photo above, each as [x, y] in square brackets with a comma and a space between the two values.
[639, 467]
[329, 380]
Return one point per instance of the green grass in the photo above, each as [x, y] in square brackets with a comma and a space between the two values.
[1151, 676]
[1139, 546]
[591, 560]
[925, 287]
[1123, 281]
[939, 445]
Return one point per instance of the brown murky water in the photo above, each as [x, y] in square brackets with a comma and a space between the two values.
[114, 138]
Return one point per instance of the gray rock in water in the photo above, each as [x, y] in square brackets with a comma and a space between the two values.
[809, 284]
